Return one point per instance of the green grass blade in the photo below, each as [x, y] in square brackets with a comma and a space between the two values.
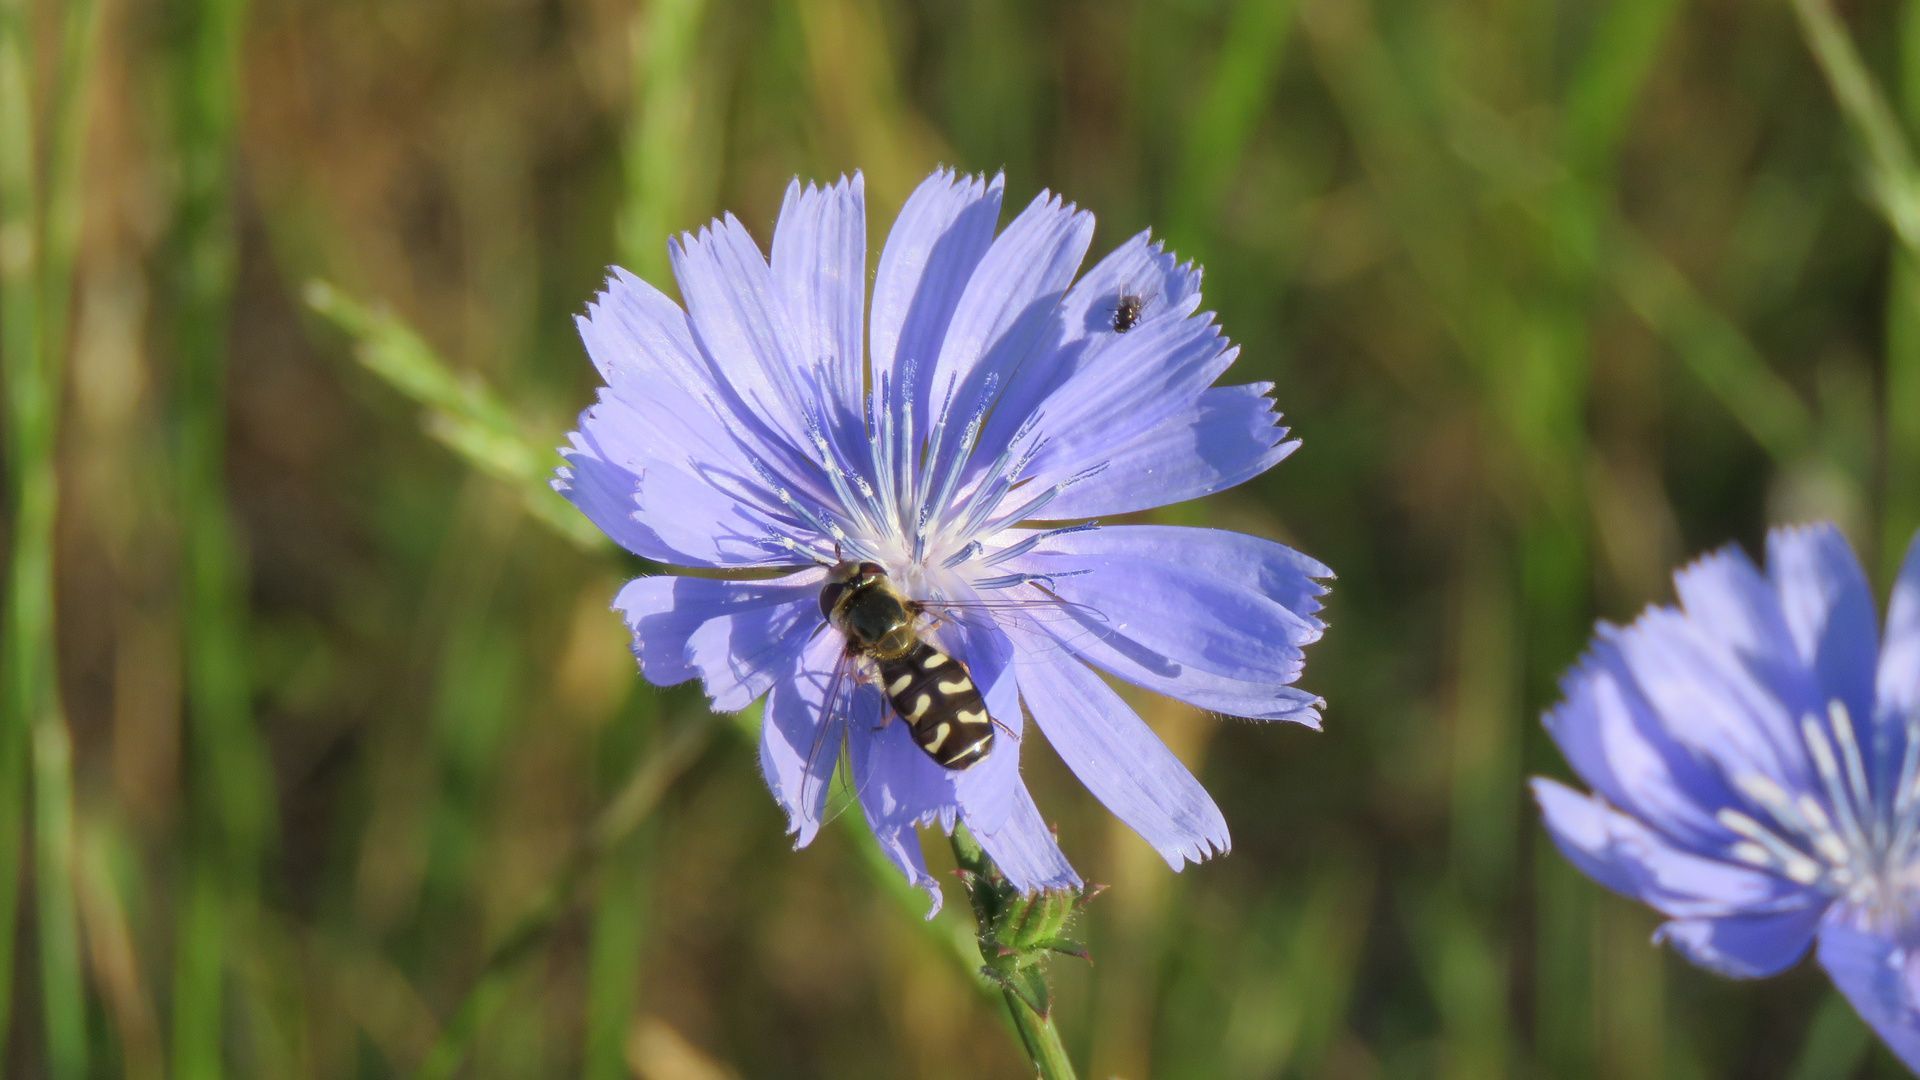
[231, 806]
[199, 923]
[1900, 499]
[63, 995]
[67, 125]
[62, 982]
[1711, 346]
[1217, 139]
[1607, 82]
[613, 829]
[463, 412]
[29, 475]
[665, 167]
[1893, 179]
[613, 964]
[36, 261]
[13, 791]
[1891, 174]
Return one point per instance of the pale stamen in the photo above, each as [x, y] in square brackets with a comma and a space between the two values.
[1844, 844]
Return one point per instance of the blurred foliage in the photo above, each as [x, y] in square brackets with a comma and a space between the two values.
[362, 782]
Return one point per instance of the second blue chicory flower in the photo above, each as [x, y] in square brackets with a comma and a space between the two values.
[965, 436]
[1754, 757]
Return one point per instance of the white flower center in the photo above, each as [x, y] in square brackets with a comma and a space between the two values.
[911, 500]
[1864, 850]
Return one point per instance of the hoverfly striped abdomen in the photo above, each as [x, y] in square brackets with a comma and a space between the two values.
[932, 692]
[935, 695]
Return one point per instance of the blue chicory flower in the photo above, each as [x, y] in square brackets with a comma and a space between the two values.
[1755, 763]
[996, 402]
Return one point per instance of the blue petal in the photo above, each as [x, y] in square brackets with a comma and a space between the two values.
[1829, 613]
[1119, 758]
[1897, 679]
[1624, 855]
[986, 790]
[1227, 436]
[902, 848]
[1274, 570]
[1878, 975]
[608, 495]
[1665, 716]
[1139, 267]
[820, 272]
[665, 462]
[1083, 324]
[736, 636]
[798, 751]
[942, 233]
[900, 787]
[1147, 377]
[741, 325]
[911, 780]
[668, 400]
[638, 337]
[1618, 743]
[1156, 588]
[1007, 312]
[1745, 946]
[1024, 848]
[1724, 677]
[1211, 617]
[661, 511]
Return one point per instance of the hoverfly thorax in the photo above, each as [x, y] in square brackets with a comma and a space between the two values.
[860, 601]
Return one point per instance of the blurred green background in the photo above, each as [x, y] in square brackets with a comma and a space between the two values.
[347, 772]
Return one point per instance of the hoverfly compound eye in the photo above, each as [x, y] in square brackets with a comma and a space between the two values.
[869, 570]
[830, 596]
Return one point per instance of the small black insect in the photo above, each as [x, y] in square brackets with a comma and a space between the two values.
[1127, 311]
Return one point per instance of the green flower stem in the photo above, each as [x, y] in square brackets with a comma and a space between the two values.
[1017, 934]
[1041, 1040]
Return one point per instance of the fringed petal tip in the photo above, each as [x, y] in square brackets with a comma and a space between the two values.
[901, 845]
[1306, 715]
[1198, 853]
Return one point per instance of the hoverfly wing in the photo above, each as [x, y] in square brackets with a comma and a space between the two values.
[1066, 624]
[835, 710]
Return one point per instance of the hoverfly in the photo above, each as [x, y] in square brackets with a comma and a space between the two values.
[933, 692]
